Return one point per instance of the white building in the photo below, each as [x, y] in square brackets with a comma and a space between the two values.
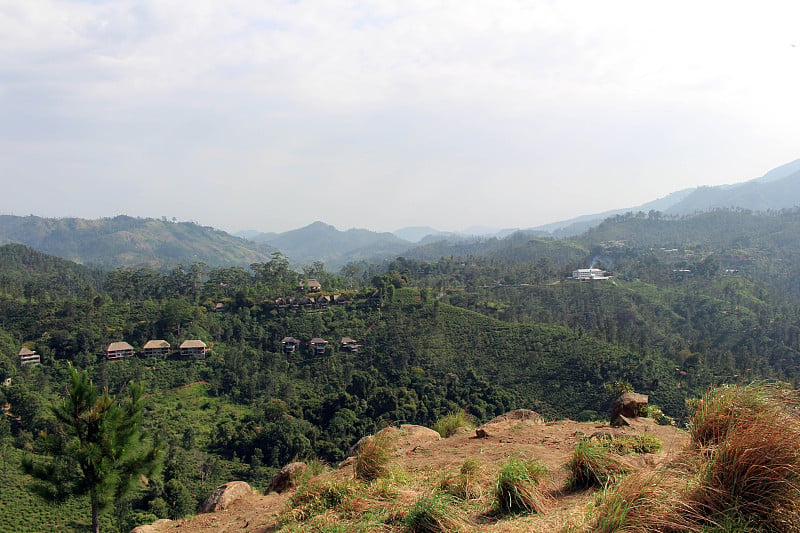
[589, 274]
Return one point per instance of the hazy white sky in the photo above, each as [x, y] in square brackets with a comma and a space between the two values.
[269, 115]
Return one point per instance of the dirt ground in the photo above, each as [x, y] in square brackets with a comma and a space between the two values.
[421, 452]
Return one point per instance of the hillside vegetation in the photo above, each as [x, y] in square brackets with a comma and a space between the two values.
[498, 328]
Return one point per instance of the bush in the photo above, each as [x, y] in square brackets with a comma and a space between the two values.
[434, 512]
[448, 424]
[518, 486]
[593, 465]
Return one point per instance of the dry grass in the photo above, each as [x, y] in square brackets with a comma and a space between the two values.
[466, 483]
[644, 502]
[373, 457]
[743, 473]
[755, 473]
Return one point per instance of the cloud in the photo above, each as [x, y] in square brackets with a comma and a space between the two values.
[246, 109]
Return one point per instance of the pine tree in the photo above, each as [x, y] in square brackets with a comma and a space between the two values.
[98, 448]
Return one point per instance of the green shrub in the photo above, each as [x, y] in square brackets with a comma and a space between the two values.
[518, 488]
[642, 443]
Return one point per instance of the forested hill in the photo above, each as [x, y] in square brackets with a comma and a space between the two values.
[764, 246]
[520, 246]
[128, 241]
[27, 272]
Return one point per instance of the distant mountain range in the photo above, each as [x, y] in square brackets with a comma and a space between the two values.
[158, 243]
[777, 189]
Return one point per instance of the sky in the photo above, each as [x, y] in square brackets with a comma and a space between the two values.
[269, 115]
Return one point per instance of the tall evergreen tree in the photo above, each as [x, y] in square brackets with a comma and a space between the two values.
[99, 448]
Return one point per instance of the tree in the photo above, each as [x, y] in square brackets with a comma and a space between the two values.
[98, 448]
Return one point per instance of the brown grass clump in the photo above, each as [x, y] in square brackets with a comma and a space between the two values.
[717, 411]
[754, 473]
[644, 502]
[372, 459]
[743, 473]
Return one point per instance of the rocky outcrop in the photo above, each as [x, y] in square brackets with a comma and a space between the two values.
[629, 405]
[225, 495]
[518, 414]
[287, 477]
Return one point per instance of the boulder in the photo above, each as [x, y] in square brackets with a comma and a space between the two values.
[519, 414]
[481, 433]
[629, 405]
[151, 528]
[225, 495]
[620, 421]
[287, 477]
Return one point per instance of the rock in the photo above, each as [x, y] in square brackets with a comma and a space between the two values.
[629, 405]
[481, 433]
[519, 414]
[620, 421]
[410, 431]
[287, 477]
[151, 528]
[224, 495]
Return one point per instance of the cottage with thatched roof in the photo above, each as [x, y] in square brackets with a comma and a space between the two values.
[29, 357]
[319, 345]
[156, 348]
[193, 348]
[119, 350]
[348, 345]
[290, 344]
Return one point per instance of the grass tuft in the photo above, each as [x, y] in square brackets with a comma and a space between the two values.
[447, 425]
[518, 488]
[464, 485]
[643, 502]
[372, 459]
[593, 465]
[319, 496]
[434, 512]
